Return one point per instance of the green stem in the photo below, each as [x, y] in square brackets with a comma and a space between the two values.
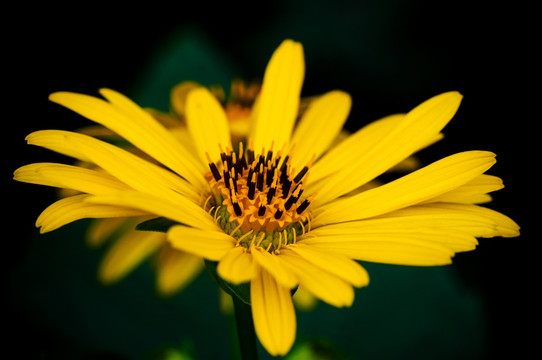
[245, 329]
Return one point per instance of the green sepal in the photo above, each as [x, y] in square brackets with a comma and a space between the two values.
[159, 224]
[241, 291]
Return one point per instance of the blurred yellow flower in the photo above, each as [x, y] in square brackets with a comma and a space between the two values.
[285, 208]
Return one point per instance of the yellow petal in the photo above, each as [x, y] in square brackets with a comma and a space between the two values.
[67, 210]
[127, 253]
[178, 96]
[55, 140]
[322, 284]
[422, 185]
[278, 103]
[474, 192]
[207, 123]
[347, 151]
[69, 177]
[175, 270]
[339, 266]
[470, 219]
[304, 300]
[129, 168]
[177, 208]
[371, 229]
[138, 127]
[417, 128]
[237, 266]
[400, 249]
[273, 313]
[273, 265]
[212, 245]
[182, 134]
[319, 126]
[100, 230]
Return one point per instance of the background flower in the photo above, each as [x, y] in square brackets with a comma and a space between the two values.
[388, 57]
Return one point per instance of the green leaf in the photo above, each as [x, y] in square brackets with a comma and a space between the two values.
[159, 224]
[241, 291]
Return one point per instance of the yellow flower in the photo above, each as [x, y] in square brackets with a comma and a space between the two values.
[285, 208]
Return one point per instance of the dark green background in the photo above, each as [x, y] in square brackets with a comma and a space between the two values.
[389, 55]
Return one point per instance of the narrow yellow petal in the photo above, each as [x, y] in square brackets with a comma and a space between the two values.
[125, 166]
[369, 230]
[138, 127]
[177, 207]
[237, 266]
[346, 152]
[418, 127]
[339, 266]
[212, 245]
[273, 313]
[278, 103]
[272, 264]
[422, 185]
[67, 210]
[127, 253]
[225, 302]
[321, 283]
[409, 164]
[175, 270]
[55, 140]
[147, 122]
[207, 123]
[400, 249]
[182, 134]
[69, 177]
[178, 96]
[304, 300]
[319, 126]
[474, 192]
[467, 218]
[101, 230]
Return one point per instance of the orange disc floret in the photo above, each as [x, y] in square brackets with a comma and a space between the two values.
[260, 191]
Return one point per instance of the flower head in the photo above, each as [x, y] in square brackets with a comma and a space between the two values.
[282, 207]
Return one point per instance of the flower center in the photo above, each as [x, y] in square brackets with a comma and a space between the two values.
[257, 197]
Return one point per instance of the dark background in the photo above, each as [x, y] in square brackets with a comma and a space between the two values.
[389, 56]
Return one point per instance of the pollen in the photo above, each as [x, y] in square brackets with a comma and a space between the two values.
[258, 196]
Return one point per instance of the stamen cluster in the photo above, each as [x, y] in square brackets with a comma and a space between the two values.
[259, 191]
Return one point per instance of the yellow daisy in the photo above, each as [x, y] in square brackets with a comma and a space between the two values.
[285, 208]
